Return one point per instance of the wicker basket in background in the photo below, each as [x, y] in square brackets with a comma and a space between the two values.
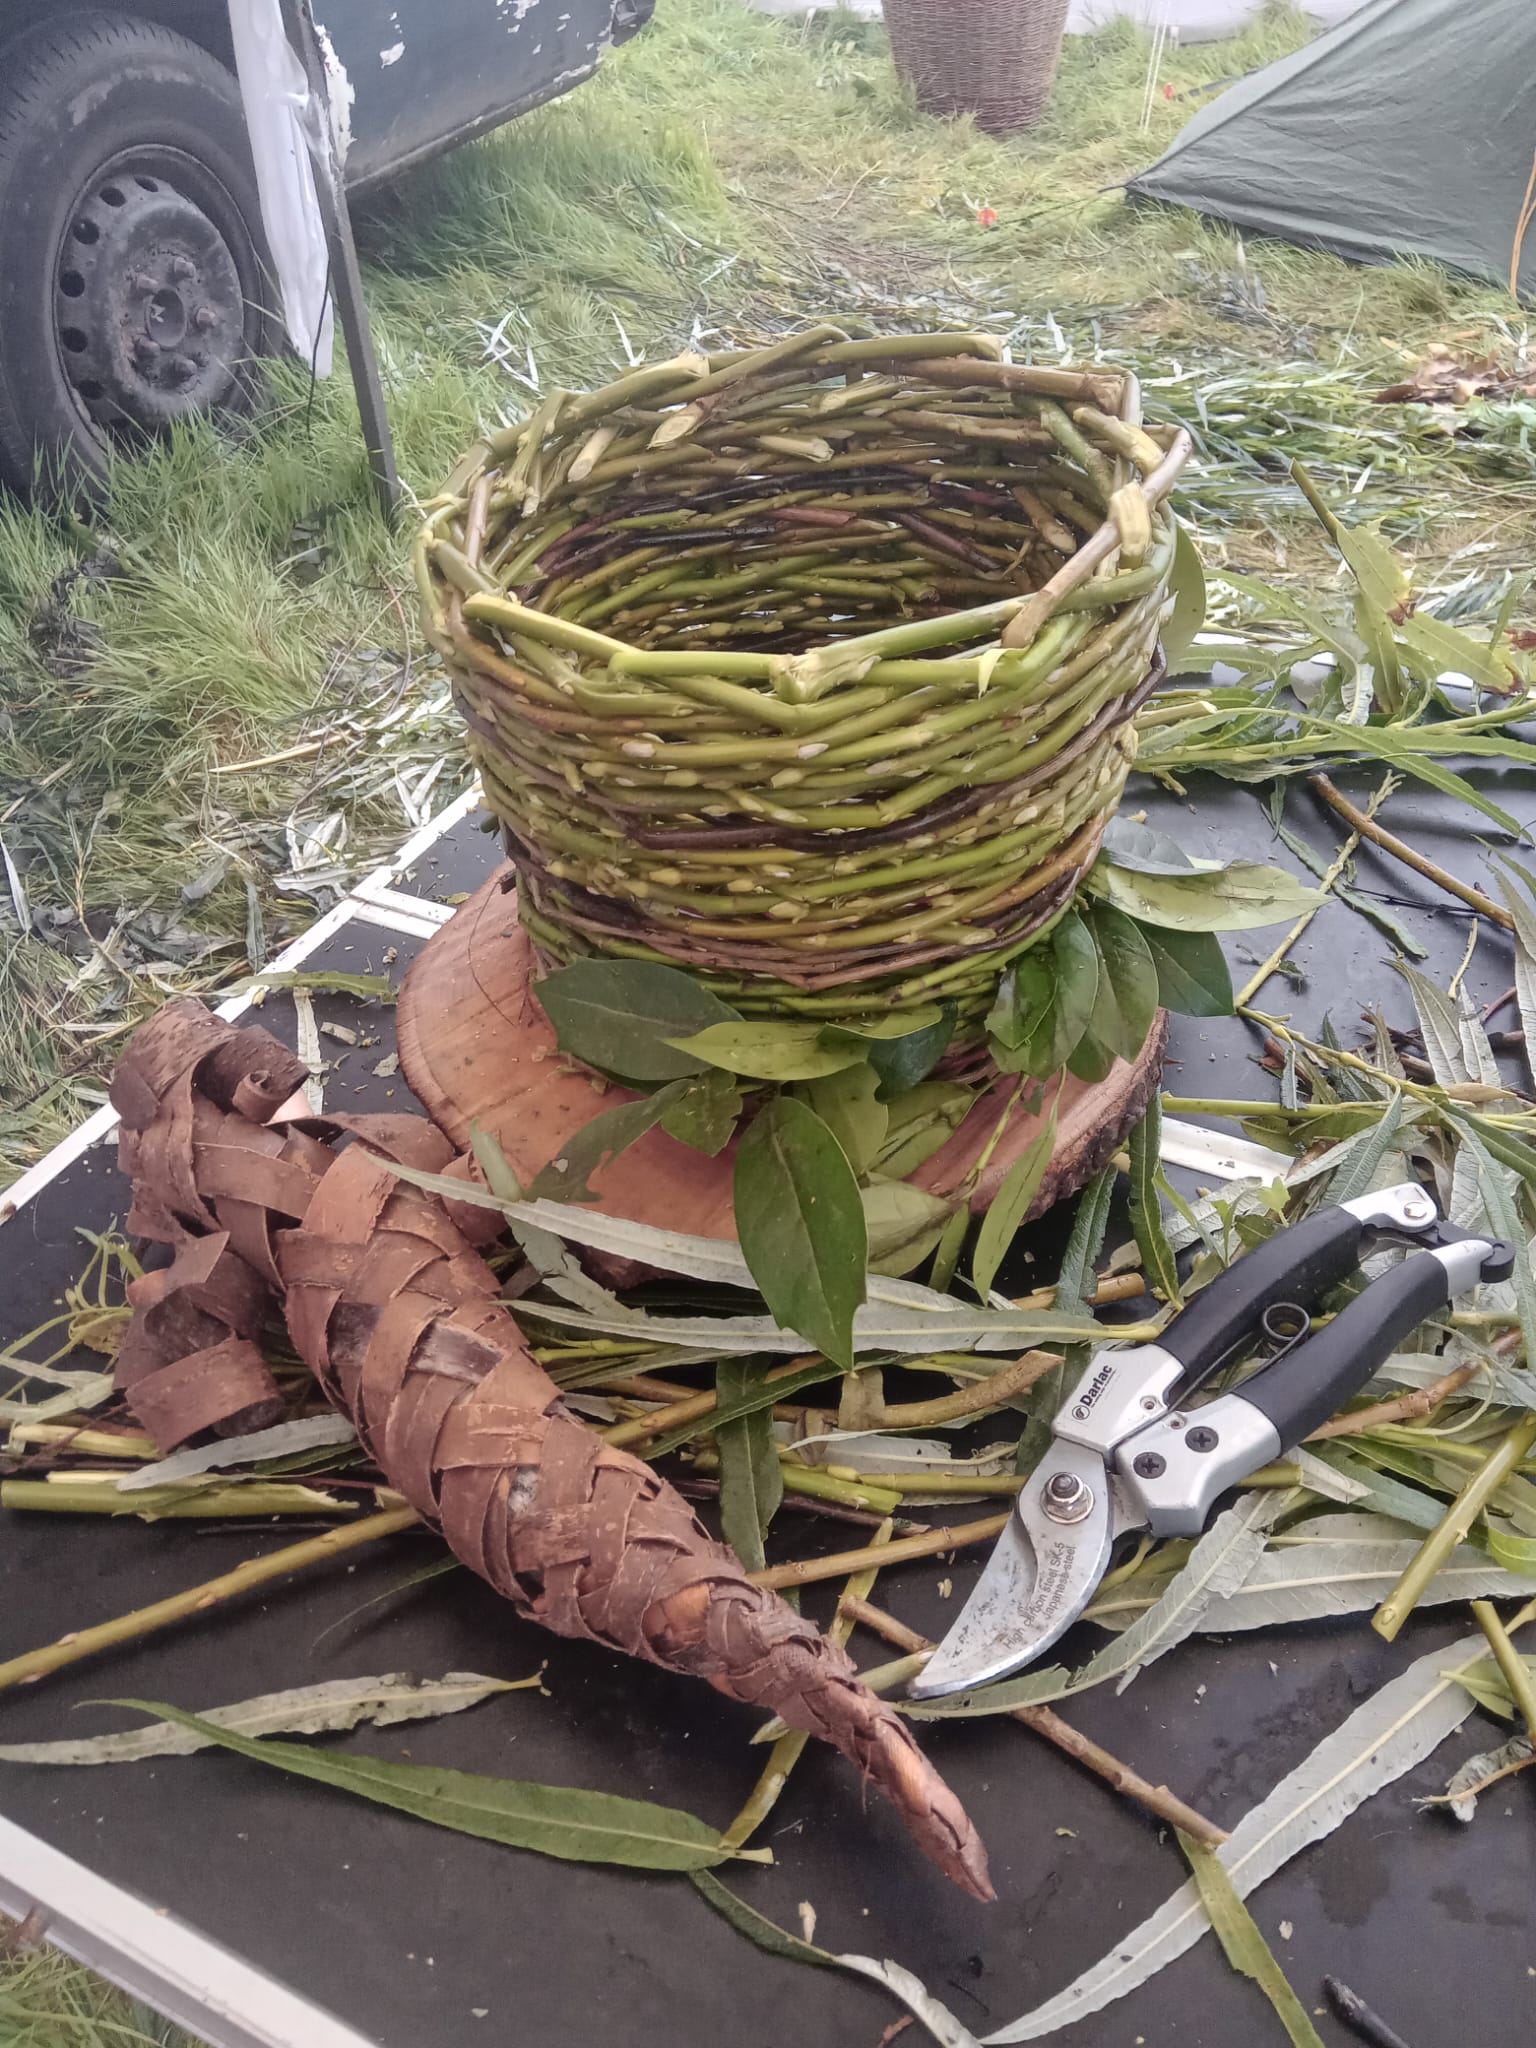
[995, 59]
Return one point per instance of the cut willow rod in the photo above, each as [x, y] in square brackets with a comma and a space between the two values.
[1511, 1664]
[811, 1570]
[1365, 825]
[1453, 1529]
[258, 1571]
[1156, 1799]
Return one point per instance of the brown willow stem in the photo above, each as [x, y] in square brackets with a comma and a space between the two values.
[1511, 1664]
[694, 1409]
[980, 1395]
[1156, 1798]
[1389, 842]
[808, 1571]
[127, 1628]
[1404, 1408]
[1441, 1541]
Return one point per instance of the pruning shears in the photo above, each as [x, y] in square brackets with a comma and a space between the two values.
[1128, 1452]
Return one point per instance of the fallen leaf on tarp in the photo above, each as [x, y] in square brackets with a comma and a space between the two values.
[557, 1820]
[916, 1997]
[1395, 1729]
[1243, 1945]
[778, 1941]
[339, 1703]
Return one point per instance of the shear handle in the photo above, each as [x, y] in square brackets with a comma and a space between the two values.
[1300, 1264]
[1306, 1386]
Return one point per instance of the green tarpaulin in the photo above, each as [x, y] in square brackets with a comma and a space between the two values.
[1409, 130]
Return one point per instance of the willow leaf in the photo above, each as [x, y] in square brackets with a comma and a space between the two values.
[1218, 1565]
[1357, 1173]
[1476, 1051]
[1499, 1202]
[1440, 1026]
[801, 1224]
[1010, 1205]
[757, 1927]
[1524, 938]
[1238, 898]
[916, 1997]
[1489, 1687]
[876, 1327]
[556, 1820]
[601, 1139]
[1394, 1730]
[1243, 1945]
[281, 1441]
[1508, 1386]
[1084, 1244]
[619, 1015]
[716, 1259]
[87, 1390]
[751, 1477]
[1186, 581]
[1157, 1260]
[339, 1703]
[1343, 1564]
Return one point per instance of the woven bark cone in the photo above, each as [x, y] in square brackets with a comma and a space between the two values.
[995, 59]
[399, 1318]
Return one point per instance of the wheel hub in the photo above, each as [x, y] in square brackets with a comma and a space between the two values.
[149, 310]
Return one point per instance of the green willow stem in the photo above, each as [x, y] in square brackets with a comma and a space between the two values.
[277, 1564]
[1513, 1666]
[78, 1494]
[1453, 1529]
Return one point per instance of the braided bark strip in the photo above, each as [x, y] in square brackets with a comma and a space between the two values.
[798, 667]
[399, 1318]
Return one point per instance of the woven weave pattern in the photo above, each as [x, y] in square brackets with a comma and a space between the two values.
[809, 669]
[399, 1318]
[995, 59]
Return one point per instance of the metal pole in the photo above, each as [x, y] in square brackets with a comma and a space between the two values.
[346, 278]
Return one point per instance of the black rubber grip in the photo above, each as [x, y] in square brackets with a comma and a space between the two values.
[1299, 1264]
[1307, 1385]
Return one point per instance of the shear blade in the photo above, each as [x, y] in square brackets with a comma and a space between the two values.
[1035, 1584]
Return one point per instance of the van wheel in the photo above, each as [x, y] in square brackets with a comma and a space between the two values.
[134, 288]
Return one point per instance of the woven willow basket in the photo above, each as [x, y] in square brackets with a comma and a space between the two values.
[809, 669]
[995, 59]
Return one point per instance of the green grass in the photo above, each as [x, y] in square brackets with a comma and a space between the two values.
[46, 2001]
[726, 176]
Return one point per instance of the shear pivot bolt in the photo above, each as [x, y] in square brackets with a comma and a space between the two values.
[1067, 1498]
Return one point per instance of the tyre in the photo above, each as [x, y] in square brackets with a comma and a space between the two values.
[134, 288]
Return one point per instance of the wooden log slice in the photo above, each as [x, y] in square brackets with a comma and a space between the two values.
[477, 1049]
